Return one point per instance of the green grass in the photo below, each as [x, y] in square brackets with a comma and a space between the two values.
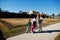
[16, 31]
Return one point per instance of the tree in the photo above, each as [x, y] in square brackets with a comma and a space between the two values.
[0, 9]
[20, 11]
[53, 15]
[59, 14]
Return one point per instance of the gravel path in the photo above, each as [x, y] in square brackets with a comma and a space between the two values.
[40, 36]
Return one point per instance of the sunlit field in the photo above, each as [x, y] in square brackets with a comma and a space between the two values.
[22, 21]
[20, 25]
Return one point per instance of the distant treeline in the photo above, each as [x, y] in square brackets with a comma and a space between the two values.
[18, 15]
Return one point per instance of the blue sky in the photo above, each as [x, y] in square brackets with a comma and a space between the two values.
[46, 6]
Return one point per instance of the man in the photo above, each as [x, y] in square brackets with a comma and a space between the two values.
[40, 23]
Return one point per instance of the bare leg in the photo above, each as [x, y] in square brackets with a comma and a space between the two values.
[27, 30]
[40, 26]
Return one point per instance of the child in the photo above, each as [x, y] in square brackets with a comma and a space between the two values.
[29, 26]
[32, 27]
[34, 22]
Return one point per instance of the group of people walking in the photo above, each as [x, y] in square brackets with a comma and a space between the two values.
[34, 23]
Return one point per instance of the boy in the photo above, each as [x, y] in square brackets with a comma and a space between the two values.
[29, 26]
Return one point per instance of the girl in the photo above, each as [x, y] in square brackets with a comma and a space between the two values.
[32, 27]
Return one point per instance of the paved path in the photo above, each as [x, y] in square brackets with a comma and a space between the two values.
[39, 36]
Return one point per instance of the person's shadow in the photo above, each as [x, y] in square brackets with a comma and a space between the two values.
[47, 31]
[1, 36]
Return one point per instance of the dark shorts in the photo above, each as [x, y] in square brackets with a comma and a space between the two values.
[40, 21]
[34, 22]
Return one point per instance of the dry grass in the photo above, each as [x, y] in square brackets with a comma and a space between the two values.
[20, 24]
[58, 37]
[3, 28]
[50, 21]
[22, 21]
[16, 21]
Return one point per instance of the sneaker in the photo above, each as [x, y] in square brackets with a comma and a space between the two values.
[39, 30]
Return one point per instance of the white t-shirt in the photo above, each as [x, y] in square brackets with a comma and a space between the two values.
[33, 19]
[41, 18]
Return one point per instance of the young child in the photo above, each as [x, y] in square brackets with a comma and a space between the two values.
[32, 26]
[29, 26]
[34, 22]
